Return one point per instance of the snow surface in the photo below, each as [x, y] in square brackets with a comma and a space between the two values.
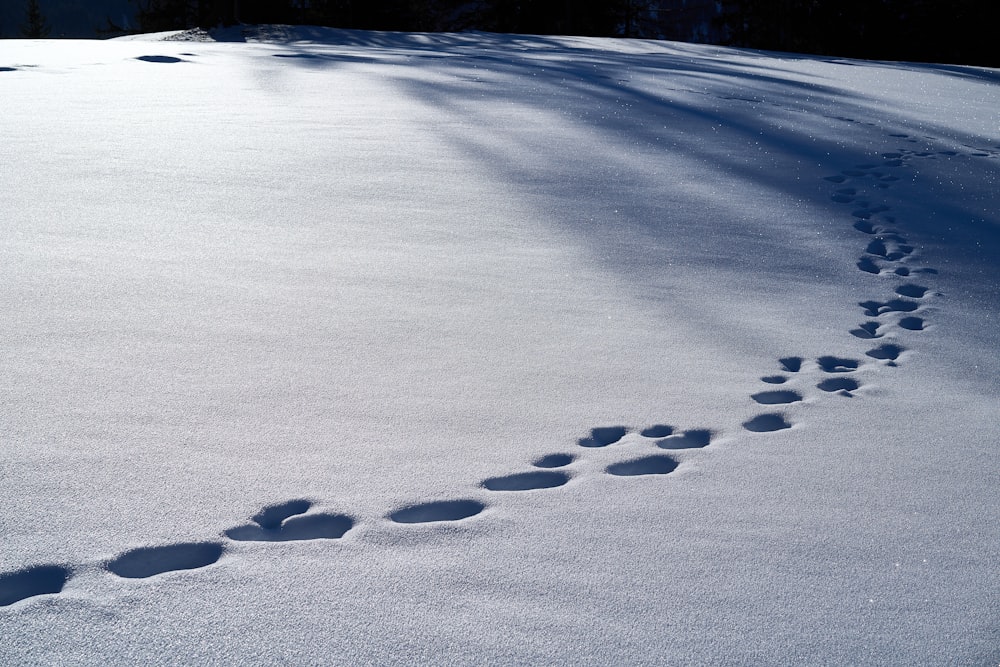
[288, 319]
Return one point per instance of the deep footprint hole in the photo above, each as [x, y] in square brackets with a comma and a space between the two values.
[602, 436]
[912, 323]
[554, 461]
[441, 510]
[774, 379]
[160, 59]
[271, 516]
[657, 464]
[150, 561]
[690, 439]
[838, 384]
[831, 364]
[888, 352]
[866, 330]
[901, 305]
[309, 527]
[868, 266]
[527, 481]
[27, 583]
[911, 290]
[766, 423]
[657, 431]
[791, 364]
[316, 527]
[776, 397]
[872, 308]
[877, 248]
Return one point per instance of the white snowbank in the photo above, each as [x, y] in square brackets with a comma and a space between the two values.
[287, 322]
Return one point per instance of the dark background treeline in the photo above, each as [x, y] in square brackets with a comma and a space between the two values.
[947, 31]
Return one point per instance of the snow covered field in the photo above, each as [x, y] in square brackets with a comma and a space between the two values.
[325, 347]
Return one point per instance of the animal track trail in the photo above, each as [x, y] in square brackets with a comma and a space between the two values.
[886, 253]
[32, 582]
[288, 522]
[829, 364]
[773, 421]
[664, 436]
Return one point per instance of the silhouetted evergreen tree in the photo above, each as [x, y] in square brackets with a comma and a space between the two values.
[35, 26]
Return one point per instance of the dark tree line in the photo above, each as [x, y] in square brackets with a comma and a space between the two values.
[949, 31]
[587, 17]
[919, 30]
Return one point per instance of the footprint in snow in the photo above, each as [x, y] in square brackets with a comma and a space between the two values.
[776, 397]
[876, 308]
[554, 461]
[867, 330]
[767, 423]
[866, 227]
[889, 248]
[602, 436]
[691, 439]
[791, 364]
[831, 364]
[912, 323]
[888, 352]
[841, 385]
[31, 582]
[868, 265]
[526, 481]
[439, 510]
[160, 59]
[150, 561]
[288, 521]
[657, 431]
[912, 291]
[656, 464]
